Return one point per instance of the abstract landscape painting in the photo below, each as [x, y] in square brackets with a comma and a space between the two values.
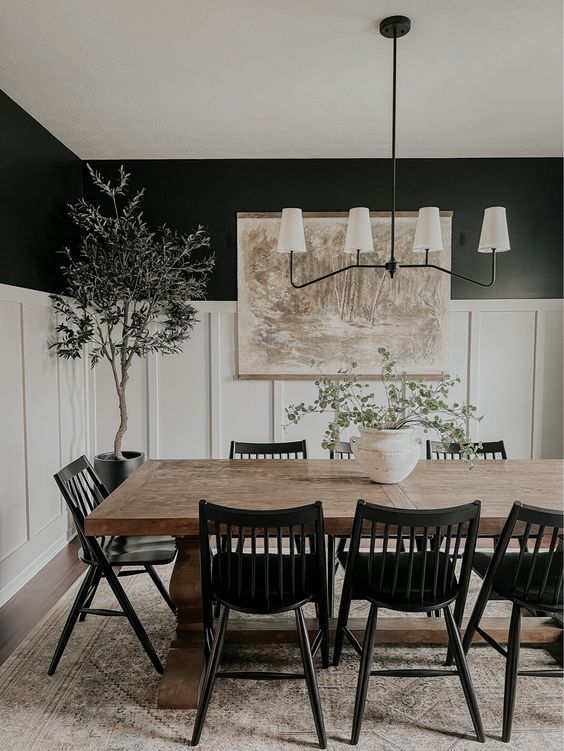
[344, 318]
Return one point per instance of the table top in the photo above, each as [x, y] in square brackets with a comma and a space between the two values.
[162, 496]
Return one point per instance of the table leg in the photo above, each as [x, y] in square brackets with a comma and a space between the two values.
[185, 660]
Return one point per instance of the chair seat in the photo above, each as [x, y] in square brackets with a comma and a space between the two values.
[366, 585]
[503, 582]
[132, 551]
[226, 589]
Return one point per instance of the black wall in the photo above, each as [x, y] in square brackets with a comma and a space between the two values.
[184, 193]
[38, 177]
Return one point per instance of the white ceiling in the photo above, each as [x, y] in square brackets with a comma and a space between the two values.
[286, 78]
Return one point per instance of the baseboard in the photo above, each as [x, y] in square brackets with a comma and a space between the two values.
[13, 587]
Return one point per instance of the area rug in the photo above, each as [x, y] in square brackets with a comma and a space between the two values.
[103, 696]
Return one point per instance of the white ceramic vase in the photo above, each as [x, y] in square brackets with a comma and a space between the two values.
[386, 456]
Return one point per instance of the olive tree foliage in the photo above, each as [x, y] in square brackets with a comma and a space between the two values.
[128, 288]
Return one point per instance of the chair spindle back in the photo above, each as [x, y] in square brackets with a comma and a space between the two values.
[282, 450]
[254, 561]
[489, 450]
[538, 566]
[82, 490]
[412, 554]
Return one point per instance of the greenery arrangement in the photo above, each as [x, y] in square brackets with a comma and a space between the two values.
[410, 402]
[128, 288]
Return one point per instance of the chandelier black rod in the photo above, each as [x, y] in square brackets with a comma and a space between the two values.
[358, 265]
[392, 268]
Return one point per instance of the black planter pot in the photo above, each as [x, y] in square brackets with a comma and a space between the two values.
[114, 471]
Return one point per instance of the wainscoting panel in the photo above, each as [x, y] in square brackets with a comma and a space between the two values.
[43, 419]
[506, 373]
[13, 492]
[183, 393]
[200, 405]
[508, 354]
[41, 409]
[549, 392]
[245, 407]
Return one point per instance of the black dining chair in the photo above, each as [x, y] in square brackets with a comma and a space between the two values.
[253, 574]
[108, 558]
[343, 450]
[528, 579]
[400, 577]
[281, 450]
[488, 450]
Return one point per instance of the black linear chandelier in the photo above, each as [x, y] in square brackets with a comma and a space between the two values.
[494, 237]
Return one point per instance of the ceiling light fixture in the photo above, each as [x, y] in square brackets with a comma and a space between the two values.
[494, 237]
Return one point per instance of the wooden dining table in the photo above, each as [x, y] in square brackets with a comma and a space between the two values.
[162, 498]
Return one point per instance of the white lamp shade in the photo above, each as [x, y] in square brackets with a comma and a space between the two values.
[494, 234]
[359, 232]
[428, 230]
[291, 236]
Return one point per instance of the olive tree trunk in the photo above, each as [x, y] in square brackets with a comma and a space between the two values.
[120, 388]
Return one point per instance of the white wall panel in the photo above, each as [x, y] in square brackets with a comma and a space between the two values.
[549, 386]
[312, 427]
[42, 416]
[506, 378]
[73, 409]
[13, 490]
[245, 409]
[183, 398]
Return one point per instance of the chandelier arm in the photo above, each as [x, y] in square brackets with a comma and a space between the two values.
[331, 273]
[453, 273]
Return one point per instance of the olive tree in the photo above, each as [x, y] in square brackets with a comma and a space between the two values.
[128, 288]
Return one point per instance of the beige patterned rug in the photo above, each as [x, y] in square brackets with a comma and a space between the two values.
[103, 696]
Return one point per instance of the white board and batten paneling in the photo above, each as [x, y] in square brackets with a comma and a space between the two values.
[508, 354]
[43, 419]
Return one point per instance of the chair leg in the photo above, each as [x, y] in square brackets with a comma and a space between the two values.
[464, 674]
[90, 598]
[476, 615]
[511, 668]
[209, 677]
[342, 620]
[132, 617]
[310, 678]
[364, 673]
[331, 572]
[459, 607]
[323, 621]
[72, 618]
[161, 587]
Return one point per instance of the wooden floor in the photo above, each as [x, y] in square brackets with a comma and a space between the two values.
[28, 606]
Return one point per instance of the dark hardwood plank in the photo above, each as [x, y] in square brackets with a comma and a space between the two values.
[27, 607]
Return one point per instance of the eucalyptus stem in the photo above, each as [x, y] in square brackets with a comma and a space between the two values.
[410, 402]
